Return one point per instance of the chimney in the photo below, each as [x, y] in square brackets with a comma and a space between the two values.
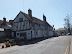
[30, 13]
[10, 22]
[44, 18]
[4, 21]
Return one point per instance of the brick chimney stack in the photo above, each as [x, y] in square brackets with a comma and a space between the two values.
[30, 13]
[4, 21]
[44, 18]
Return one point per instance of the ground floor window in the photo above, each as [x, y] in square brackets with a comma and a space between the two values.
[23, 34]
[36, 32]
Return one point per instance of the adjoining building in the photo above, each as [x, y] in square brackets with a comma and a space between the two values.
[25, 26]
[5, 29]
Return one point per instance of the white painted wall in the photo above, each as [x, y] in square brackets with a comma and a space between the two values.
[50, 33]
[20, 25]
[28, 34]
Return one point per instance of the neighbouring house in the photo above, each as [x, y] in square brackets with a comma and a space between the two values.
[1, 23]
[61, 31]
[2, 32]
[5, 28]
[25, 26]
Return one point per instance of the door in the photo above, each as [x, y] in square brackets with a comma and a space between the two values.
[15, 34]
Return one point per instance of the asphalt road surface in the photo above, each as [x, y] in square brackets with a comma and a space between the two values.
[55, 45]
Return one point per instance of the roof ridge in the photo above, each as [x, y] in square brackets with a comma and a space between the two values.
[35, 19]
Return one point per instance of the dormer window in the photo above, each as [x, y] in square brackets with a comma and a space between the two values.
[20, 19]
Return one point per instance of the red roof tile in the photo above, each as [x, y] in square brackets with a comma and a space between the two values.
[1, 21]
[35, 20]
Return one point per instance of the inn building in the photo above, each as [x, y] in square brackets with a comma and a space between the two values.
[25, 26]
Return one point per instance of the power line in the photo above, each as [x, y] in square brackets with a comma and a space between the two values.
[23, 4]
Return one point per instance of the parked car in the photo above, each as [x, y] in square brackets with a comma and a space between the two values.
[55, 34]
[68, 34]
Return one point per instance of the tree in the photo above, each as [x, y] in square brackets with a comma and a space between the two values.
[53, 29]
[67, 24]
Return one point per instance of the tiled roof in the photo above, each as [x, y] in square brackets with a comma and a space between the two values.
[7, 23]
[1, 21]
[34, 19]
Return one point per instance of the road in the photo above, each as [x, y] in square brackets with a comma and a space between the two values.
[55, 45]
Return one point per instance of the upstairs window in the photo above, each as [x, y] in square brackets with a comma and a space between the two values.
[20, 19]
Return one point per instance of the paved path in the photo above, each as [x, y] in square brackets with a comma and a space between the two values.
[56, 45]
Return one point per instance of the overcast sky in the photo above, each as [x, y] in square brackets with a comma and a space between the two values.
[54, 10]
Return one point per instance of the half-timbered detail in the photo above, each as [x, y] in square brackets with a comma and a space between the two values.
[25, 26]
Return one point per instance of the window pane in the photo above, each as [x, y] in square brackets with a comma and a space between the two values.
[20, 19]
[22, 34]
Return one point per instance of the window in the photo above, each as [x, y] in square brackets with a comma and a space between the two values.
[20, 19]
[39, 25]
[22, 34]
[36, 32]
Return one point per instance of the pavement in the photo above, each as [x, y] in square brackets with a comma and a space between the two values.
[55, 45]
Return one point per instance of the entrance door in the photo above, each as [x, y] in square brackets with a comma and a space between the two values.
[14, 34]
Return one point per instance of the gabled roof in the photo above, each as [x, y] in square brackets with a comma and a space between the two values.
[35, 20]
[26, 15]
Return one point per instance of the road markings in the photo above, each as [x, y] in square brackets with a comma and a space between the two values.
[68, 47]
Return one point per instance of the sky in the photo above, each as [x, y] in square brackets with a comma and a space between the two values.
[54, 10]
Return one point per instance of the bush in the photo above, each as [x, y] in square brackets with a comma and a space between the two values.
[7, 44]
